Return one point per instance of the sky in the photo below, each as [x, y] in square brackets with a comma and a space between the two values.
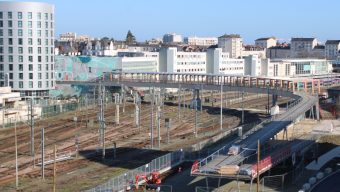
[148, 19]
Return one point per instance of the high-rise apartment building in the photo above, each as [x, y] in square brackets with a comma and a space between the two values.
[232, 44]
[27, 47]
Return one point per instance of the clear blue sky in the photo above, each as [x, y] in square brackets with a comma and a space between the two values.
[153, 18]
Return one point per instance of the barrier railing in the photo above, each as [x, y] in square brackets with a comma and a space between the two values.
[128, 180]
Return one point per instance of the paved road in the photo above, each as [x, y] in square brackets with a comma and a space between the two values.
[330, 184]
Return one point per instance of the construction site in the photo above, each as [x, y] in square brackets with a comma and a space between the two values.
[83, 147]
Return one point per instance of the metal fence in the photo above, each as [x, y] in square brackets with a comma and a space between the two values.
[128, 180]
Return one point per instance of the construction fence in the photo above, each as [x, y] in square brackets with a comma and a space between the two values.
[130, 179]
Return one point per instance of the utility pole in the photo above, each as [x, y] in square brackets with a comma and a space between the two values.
[195, 117]
[257, 167]
[221, 108]
[179, 102]
[16, 153]
[167, 126]
[42, 153]
[152, 105]
[54, 168]
[101, 118]
[242, 106]
[31, 122]
[159, 125]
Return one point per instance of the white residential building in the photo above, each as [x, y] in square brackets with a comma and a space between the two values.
[171, 60]
[332, 49]
[253, 65]
[218, 62]
[266, 42]
[302, 47]
[69, 36]
[232, 44]
[172, 38]
[201, 41]
[27, 47]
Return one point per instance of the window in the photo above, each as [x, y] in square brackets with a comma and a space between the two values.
[20, 41]
[19, 32]
[52, 59]
[1, 58]
[1, 32]
[47, 84]
[29, 15]
[39, 75]
[46, 16]
[1, 50]
[21, 84]
[1, 24]
[10, 75]
[46, 75]
[46, 42]
[30, 33]
[46, 58]
[21, 67]
[39, 41]
[30, 24]
[39, 59]
[30, 41]
[19, 15]
[39, 50]
[10, 32]
[46, 50]
[30, 58]
[1, 15]
[1, 67]
[10, 49]
[46, 67]
[20, 24]
[9, 15]
[10, 41]
[30, 50]
[21, 58]
[10, 58]
[46, 33]
[39, 33]
[30, 84]
[39, 24]
[39, 15]
[10, 24]
[51, 16]
[1, 41]
[39, 84]
[10, 67]
[30, 67]
[21, 76]
[39, 67]
[51, 25]
[46, 25]
[51, 75]
[30, 75]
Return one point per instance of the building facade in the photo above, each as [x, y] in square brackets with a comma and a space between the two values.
[232, 44]
[69, 36]
[302, 47]
[332, 49]
[266, 42]
[218, 62]
[27, 47]
[172, 38]
[201, 41]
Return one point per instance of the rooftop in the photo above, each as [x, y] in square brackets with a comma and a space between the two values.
[265, 38]
[332, 42]
[303, 39]
[230, 36]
